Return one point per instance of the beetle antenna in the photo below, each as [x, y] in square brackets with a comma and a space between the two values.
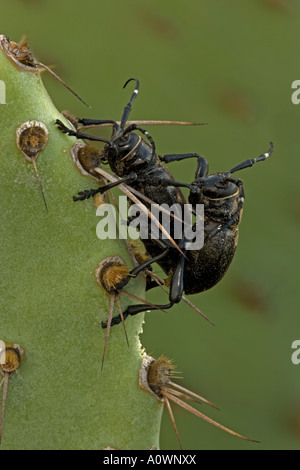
[251, 161]
[127, 108]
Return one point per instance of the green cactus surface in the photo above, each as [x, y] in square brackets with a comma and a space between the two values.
[50, 302]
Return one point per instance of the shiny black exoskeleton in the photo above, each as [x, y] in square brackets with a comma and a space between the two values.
[195, 271]
[132, 159]
[136, 163]
[223, 198]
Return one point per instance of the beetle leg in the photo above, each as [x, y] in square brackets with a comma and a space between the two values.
[175, 295]
[140, 267]
[98, 122]
[175, 292]
[176, 286]
[134, 310]
[87, 193]
[78, 134]
[154, 181]
[202, 165]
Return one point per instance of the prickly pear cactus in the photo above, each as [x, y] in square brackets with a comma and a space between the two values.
[61, 396]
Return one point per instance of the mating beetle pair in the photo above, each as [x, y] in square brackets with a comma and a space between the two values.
[136, 163]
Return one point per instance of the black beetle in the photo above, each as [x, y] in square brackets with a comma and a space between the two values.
[131, 158]
[136, 163]
[195, 271]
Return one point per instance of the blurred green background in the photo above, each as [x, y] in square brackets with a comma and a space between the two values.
[230, 64]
